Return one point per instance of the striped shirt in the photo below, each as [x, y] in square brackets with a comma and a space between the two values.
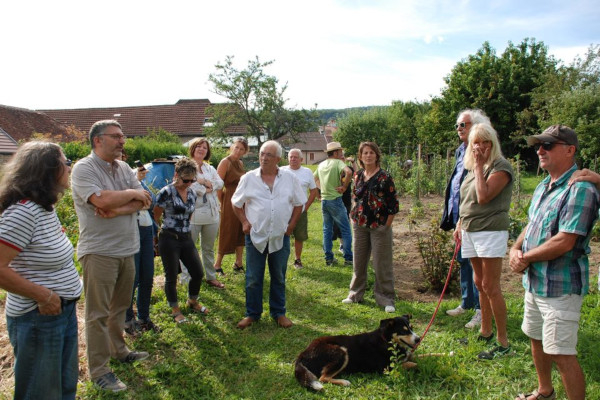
[561, 208]
[45, 253]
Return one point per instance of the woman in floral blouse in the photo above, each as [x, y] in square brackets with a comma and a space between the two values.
[374, 206]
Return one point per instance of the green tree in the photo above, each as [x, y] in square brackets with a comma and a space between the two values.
[373, 125]
[257, 103]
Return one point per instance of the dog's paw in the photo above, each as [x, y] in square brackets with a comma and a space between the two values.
[344, 382]
[316, 386]
[408, 365]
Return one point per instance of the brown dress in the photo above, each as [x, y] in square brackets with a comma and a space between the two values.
[231, 234]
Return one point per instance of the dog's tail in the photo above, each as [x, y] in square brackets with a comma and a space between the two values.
[306, 378]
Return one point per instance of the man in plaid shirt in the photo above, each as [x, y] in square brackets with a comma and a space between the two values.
[551, 253]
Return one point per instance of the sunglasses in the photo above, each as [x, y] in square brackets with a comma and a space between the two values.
[188, 180]
[68, 162]
[462, 125]
[547, 145]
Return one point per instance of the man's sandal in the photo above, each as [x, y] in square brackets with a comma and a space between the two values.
[179, 321]
[538, 395]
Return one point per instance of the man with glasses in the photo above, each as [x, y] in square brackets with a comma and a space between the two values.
[268, 202]
[551, 253]
[469, 293]
[107, 197]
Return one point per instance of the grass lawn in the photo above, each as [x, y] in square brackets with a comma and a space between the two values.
[211, 359]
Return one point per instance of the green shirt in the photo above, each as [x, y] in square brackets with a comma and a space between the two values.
[329, 175]
[492, 216]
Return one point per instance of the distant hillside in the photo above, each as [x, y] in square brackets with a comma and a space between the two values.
[327, 114]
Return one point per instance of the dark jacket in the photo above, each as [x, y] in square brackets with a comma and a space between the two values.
[447, 220]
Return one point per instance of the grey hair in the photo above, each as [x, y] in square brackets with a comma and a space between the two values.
[296, 151]
[477, 116]
[279, 149]
[99, 127]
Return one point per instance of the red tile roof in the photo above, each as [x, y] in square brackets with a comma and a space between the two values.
[184, 118]
[306, 141]
[21, 123]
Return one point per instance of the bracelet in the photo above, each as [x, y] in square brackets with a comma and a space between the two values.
[48, 300]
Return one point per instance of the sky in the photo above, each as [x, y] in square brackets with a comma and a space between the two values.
[331, 53]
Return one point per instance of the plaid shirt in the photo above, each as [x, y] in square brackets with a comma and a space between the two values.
[561, 208]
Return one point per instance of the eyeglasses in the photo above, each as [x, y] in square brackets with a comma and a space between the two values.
[462, 125]
[115, 136]
[188, 180]
[68, 162]
[268, 155]
[547, 145]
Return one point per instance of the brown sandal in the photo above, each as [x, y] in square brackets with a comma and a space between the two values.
[197, 308]
[538, 395]
[216, 284]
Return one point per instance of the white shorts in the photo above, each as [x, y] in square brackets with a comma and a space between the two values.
[554, 321]
[484, 244]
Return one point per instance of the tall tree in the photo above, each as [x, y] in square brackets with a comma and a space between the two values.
[257, 103]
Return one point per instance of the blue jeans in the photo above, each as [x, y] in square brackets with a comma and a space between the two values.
[255, 276]
[144, 275]
[468, 290]
[46, 360]
[334, 211]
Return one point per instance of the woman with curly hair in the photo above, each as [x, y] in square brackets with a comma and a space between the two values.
[37, 271]
[176, 201]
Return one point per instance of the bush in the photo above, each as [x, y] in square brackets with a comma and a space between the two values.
[437, 250]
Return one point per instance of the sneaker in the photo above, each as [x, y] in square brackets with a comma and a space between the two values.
[331, 262]
[341, 249]
[497, 351]
[348, 301]
[298, 264]
[348, 262]
[135, 356]
[390, 309]
[145, 326]
[110, 382]
[456, 311]
[475, 321]
[131, 328]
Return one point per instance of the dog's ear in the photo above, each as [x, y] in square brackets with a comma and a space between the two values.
[407, 316]
[385, 323]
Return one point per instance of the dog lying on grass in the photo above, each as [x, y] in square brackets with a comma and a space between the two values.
[328, 356]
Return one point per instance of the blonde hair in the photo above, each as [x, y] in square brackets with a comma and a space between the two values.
[482, 132]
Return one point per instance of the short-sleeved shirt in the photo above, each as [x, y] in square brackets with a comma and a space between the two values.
[374, 200]
[268, 211]
[329, 175]
[177, 213]
[45, 253]
[112, 237]
[305, 176]
[561, 208]
[492, 216]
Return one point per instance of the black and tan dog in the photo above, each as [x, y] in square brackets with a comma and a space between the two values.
[328, 356]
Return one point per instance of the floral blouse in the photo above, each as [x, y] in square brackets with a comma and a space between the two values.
[176, 213]
[374, 199]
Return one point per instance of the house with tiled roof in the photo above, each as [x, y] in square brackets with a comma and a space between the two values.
[312, 144]
[8, 146]
[21, 123]
[186, 118]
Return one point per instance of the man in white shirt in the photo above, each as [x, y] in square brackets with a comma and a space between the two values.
[307, 181]
[268, 201]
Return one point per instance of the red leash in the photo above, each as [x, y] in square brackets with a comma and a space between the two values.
[456, 248]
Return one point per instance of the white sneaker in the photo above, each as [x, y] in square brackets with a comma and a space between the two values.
[390, 309]
[475, 321]
[347, 301]
[456, 311]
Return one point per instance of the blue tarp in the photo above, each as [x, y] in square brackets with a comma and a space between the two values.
[160, 173]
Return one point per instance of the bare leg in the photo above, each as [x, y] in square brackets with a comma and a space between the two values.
[239, 251]
[298, 249]
[484, 302]
[492, 269]
[219, 260]
[572, 376]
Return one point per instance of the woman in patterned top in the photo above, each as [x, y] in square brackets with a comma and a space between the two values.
[374, 206]
[175, 243]
[37, 271]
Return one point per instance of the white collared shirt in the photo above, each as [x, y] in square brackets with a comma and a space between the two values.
[268, 212]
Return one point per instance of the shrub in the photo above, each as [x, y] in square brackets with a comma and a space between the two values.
[437, 250]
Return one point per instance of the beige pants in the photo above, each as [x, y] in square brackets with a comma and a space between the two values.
[108, 283]
[377, 242]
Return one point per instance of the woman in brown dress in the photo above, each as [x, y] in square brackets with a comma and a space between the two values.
[231, 236]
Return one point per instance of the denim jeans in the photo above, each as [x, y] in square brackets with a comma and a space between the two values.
[334, 211]
[255, 276]
[468, 290]
[46, 360]
[144, 275]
